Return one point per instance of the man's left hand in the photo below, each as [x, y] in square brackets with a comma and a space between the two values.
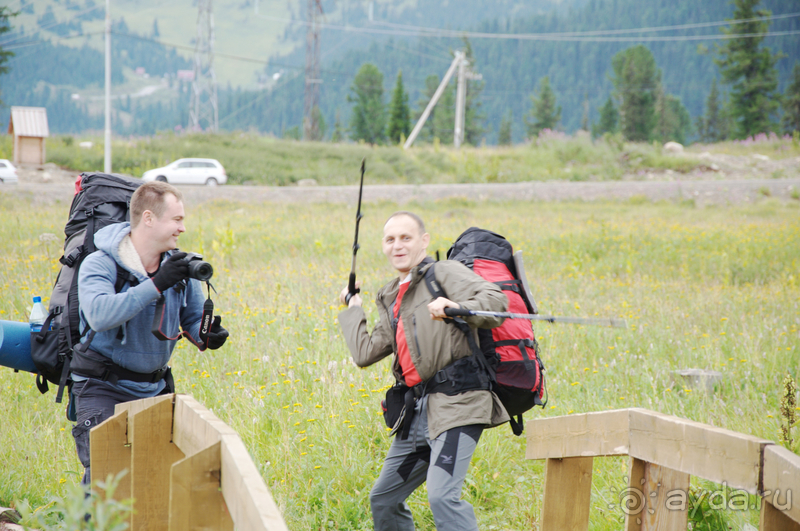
[216, 334]
[437, 308]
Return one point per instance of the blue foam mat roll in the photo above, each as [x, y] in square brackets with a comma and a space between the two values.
[15, 346]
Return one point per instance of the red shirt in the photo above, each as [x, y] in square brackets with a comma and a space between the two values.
[410, 374]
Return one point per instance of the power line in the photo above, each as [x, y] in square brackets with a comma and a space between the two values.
[606, 32]
[57, 23]
[42, 41]
[419, 31]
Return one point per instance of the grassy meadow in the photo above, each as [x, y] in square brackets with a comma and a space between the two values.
[712, 288]
[254, 159]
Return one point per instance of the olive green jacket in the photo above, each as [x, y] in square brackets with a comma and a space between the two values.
[432, 344]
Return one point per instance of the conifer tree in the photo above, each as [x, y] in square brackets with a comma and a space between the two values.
[473, 116]
[791, 102]
[338, 133]
[713, 126]
[368, 122]
[5, 26]
[443, 123]
[636, 78]
[750, 70]
[427, 134]
[666, 122]
[609, 119]
[544, 113]
[585, 117]
[504, 133]
[399, 116]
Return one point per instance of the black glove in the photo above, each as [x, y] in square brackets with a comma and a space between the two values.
[171, 272]
[216, 334]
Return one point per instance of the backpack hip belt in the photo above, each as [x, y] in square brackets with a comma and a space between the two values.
[92, 364]
[465, 374]
[459, 377]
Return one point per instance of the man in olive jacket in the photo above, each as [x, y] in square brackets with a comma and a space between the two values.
[444, 428]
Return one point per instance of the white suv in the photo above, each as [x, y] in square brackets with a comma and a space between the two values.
[189, 171]
[8, 173]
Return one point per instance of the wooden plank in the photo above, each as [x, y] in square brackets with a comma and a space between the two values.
[702, 450]
[195, 427]
[567, 494]
[667, 495]
[153, 454]
[136, 406]
[110, 452]
[781, 481]
[773, 519]
[244, 490]
[584, 435]
[633, 502]
[195, 500]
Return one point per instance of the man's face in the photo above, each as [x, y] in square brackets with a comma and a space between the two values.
[403, 243]
[166, 229]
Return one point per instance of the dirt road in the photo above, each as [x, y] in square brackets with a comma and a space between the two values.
[717, 192]
[49, 183]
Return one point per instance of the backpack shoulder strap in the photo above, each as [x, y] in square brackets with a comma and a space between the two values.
[430, 281]
[436, 291]
[123, 276]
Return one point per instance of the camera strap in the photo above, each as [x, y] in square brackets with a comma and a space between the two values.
[205, 320]
[208, 315]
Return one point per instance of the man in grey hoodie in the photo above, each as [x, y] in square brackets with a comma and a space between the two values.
[124, 360]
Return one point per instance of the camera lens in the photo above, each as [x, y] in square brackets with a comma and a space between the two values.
[200, 270]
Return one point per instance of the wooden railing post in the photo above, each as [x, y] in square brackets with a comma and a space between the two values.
[780, 502]
[657, 498]
[153, 454]
[567, 494]
[195, 501]
[111, 453]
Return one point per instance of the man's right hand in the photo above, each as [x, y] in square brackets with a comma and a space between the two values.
[355, 300]
[171, 272]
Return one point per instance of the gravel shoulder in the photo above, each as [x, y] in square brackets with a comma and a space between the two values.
[721, 179]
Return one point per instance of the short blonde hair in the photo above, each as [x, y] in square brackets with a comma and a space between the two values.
[151, 196]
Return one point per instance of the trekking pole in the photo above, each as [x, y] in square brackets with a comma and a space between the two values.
[351, 283]
[460, 312]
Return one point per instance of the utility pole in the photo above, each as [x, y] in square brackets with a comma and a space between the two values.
[107, 142]
[313, 81]
[462, 65]
[464, 74]
[203, 110]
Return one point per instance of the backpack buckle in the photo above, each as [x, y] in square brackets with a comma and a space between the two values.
[440, 377]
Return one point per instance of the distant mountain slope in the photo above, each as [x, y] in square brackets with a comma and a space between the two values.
[511, 68]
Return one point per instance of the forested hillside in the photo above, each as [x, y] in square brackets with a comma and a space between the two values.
[512, 69]
[579, 72]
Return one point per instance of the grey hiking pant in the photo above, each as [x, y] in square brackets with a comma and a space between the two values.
[94, 403]
[408, 465]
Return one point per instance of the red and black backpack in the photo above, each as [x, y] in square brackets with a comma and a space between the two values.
[510, 351]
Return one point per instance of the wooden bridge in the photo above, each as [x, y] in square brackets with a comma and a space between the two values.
[189, 471]
[665, 451]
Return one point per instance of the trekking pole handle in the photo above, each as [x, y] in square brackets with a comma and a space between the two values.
[351, 288]
[457, 312]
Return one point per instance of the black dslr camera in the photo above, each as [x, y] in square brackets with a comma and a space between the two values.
[199, 269]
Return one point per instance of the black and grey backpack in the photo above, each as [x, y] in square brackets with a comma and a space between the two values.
[103, 199]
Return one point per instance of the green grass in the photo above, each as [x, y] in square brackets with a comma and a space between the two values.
[253, 159]
[775, 148]
[714, 288]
